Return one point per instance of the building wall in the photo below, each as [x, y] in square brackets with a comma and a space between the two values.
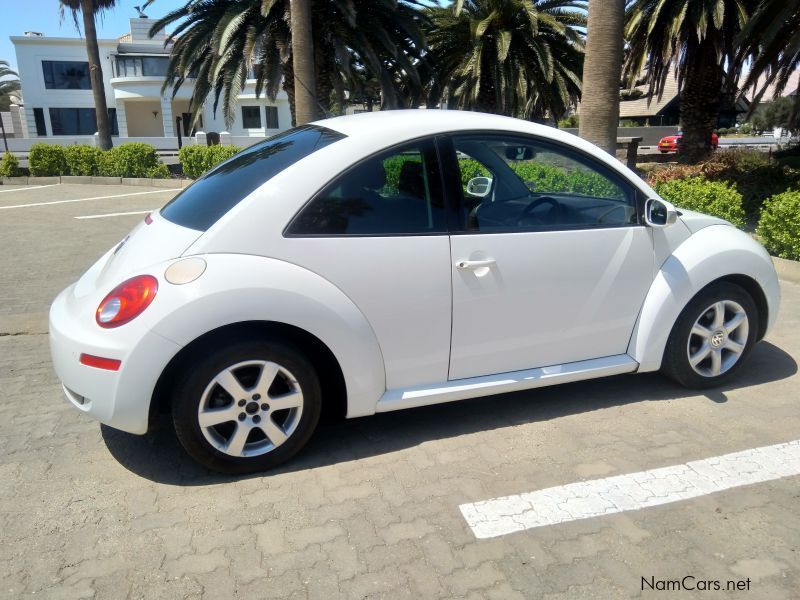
[216, 122]
[135, 98]
[141, 121]
[31, 51]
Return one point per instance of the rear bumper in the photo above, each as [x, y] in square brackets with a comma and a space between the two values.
[120, 399]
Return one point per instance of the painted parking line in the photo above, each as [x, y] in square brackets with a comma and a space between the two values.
[117, 214]
[86, 199]
[35, 187]
[634, 491]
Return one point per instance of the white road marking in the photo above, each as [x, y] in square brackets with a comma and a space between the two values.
[119, 214]
[36, 187]
[86, 199]
[634, 491]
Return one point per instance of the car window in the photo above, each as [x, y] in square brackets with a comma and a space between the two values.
[201, 204]
[519, 184]
[395, 192]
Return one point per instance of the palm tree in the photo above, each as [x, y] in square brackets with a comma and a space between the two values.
[696, 39]
[514, 57]
[303, 62]
[602, 71]
[9, 85]
[772, 36]
[8, 88]
[89, 9]
[217, 42]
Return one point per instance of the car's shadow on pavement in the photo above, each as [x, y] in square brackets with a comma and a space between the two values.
[158, 456]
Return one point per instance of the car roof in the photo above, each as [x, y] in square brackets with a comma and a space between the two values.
[424, 122]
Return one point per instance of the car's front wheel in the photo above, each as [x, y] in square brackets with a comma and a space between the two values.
[712, 336]
[247, 406]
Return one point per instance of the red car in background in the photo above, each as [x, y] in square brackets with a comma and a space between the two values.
[670, 142]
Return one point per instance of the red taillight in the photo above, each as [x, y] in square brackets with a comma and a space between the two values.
[148, 219]
[98, 362]
[126, 301]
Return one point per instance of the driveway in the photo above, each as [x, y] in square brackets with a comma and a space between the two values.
[384, 507]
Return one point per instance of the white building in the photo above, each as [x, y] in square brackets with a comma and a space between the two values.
[59, 104]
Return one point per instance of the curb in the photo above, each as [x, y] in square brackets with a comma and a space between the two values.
[78, 179]
[788, 270]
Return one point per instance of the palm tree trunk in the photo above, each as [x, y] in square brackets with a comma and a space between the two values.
[487, 91]
[602, 71]
[700, 100]
[288, 87]
[323, 50]
[96, 74]
[303, 62]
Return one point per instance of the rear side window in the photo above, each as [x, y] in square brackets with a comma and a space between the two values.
[397, 192]
[201, 204]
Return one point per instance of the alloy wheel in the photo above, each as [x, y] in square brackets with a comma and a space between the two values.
[250, 408]
[718, 338]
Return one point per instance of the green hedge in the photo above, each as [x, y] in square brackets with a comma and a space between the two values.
[47, 160]
[779, 227]
[547, 178]
[134, 159]
[754, 175]
[82, 159]
[709, 197]
[9, 165]
[196, 160]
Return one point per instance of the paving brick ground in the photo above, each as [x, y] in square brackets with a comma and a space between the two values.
[370, 509]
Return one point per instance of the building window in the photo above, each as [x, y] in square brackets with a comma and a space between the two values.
[112, 121]
[142, 66]
[251, 117]
[38, 116]
[66, 75]
[73, 121]
[272, 117]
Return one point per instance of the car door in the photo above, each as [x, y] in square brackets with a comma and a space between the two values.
[550, 263]
[378, 232]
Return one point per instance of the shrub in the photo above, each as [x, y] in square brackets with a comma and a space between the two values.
[134, 159]
[756, 178]
[82, 159]
[160, 171]
[192, 159]
[9, 165]
[218, 154]
[196, 160]
[779, 227]
[47, 160]
[710, 197]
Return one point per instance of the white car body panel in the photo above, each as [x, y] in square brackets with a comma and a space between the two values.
[552, 297]
[689, 269]
[238, 288]
[503, 383]
[383, 305]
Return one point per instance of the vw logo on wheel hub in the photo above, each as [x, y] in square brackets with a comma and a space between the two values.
[717, 339]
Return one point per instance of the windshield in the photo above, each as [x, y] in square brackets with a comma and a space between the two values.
[201, 204]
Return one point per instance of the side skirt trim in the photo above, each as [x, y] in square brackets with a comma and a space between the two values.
[502, 383]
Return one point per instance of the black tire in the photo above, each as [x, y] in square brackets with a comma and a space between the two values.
[197, 378]
[676, 359]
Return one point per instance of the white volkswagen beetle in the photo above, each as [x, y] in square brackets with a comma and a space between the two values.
[390, 260]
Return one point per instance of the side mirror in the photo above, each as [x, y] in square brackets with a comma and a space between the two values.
[659, 213]
[479, 186]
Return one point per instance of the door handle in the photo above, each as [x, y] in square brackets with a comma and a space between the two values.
[464, 265]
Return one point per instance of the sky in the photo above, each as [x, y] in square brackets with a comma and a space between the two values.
[42, 15]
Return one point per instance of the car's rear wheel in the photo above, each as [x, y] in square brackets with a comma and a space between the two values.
[247, 407]
[712, 337]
